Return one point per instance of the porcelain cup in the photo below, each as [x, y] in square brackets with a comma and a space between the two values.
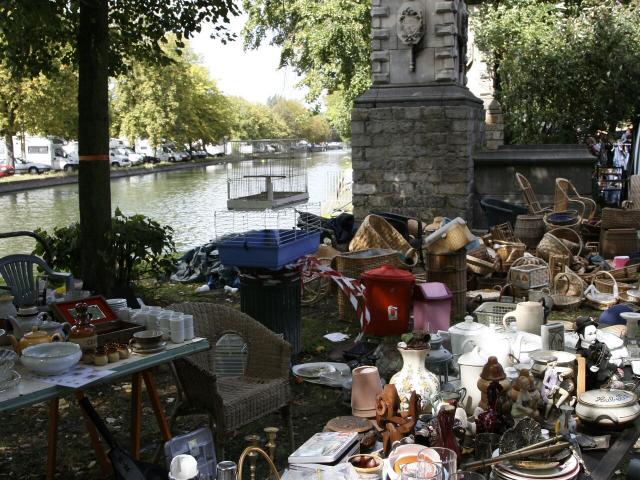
[529, 317]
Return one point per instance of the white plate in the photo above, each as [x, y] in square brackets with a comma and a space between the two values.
[565, 471]
[136, 349]
[341, 373]
[313, 370]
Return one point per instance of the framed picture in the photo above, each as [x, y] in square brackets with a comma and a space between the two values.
[97, 306]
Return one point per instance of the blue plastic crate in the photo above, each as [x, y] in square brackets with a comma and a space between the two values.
[272, 249]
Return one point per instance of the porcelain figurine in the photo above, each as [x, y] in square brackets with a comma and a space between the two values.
[596, 353]
[414, 376]
[557, 387]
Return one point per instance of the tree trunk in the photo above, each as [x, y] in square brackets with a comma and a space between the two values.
[8, 144]
[93, 145]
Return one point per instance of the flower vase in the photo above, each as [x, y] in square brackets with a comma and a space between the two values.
[414, 377]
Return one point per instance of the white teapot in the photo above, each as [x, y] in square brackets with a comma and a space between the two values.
[25, 320]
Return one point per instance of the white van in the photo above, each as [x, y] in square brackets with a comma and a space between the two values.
[38, 150]
[118, 157]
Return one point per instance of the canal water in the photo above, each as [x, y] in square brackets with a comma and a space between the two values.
[187, 200]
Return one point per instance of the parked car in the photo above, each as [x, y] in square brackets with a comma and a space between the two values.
[118, 157]
[6, 170]
[23, 166]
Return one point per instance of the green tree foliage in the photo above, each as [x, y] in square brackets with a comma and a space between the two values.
[279, 118]
[326, 42]
[176, 101]
[564, 70]
[44, 105]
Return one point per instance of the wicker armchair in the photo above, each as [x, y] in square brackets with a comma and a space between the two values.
[566, 194]
[529, 196]
[234, 401]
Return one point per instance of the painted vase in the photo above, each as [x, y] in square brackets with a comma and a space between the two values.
[414, 376]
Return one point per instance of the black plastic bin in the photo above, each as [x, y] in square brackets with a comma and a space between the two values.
[273, 299]
[499, 211]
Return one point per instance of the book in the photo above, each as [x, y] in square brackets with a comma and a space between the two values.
[324, 447]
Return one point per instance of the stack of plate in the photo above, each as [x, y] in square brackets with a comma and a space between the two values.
[117, 304]
[568, 470]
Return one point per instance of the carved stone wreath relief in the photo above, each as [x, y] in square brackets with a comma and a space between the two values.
[411, 27]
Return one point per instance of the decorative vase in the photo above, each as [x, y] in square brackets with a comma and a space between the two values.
[414, 377]
[446, 420]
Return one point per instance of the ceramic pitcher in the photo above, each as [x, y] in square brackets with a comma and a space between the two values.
[529, 317]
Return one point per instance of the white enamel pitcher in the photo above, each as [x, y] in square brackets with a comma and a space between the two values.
[529, 317]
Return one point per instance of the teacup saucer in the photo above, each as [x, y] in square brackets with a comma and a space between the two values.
[139, 349]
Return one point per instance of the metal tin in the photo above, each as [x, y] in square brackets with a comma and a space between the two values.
[226, 470]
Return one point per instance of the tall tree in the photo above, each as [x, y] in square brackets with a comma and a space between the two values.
[326, 42]
[565, 70]
[177, 101]
[98, 35]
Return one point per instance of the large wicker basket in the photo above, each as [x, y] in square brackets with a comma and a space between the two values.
[571, 220]
[619, 241]
[354, 264]
[619, 218]
[508, 253]
[552, 244]
[376, 232]
[530, 229]
[601, 300]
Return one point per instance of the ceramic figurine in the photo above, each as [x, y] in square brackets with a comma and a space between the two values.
[394, 423]
[557, 387]
[493, 420]
[596, 353]
[414, 376]
[525, 403]
[493, 371]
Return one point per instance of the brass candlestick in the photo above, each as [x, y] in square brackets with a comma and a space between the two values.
[271, 433]
[252, 440]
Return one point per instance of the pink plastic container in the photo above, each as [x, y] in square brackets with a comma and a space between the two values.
[431, 307]
[620, 261]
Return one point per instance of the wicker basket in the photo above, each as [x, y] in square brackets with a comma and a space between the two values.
[573, 220]
[562, 300]
[450, 269]
[354, 264]
[376, 232]
[605, 285]
[455, 238]
[481, 267]
[552, 244]
[618, 218]
[491, 313]
[569, 283]
[619, 241]
[600, 300]
[529, 229]
[528, 273]
[504, 232]
[508, 253]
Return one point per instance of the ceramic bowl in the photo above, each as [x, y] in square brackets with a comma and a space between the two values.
[51, 358]
[7, 360]
[148, 338]
[374, 471]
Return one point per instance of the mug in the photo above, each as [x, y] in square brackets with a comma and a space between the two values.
[529, 317]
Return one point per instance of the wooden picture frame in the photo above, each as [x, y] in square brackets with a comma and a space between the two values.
[98, 308]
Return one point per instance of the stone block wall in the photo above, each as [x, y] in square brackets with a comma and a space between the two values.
[412, 151]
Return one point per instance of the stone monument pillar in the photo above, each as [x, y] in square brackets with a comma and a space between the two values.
[415, 130]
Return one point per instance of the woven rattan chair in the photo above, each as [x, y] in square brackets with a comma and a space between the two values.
[234, 401]
[566, 194]
[529, 196]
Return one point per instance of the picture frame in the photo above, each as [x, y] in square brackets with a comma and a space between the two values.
[97, 307]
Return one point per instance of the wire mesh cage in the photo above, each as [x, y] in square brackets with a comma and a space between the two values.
[268, 239]
[266, 174]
